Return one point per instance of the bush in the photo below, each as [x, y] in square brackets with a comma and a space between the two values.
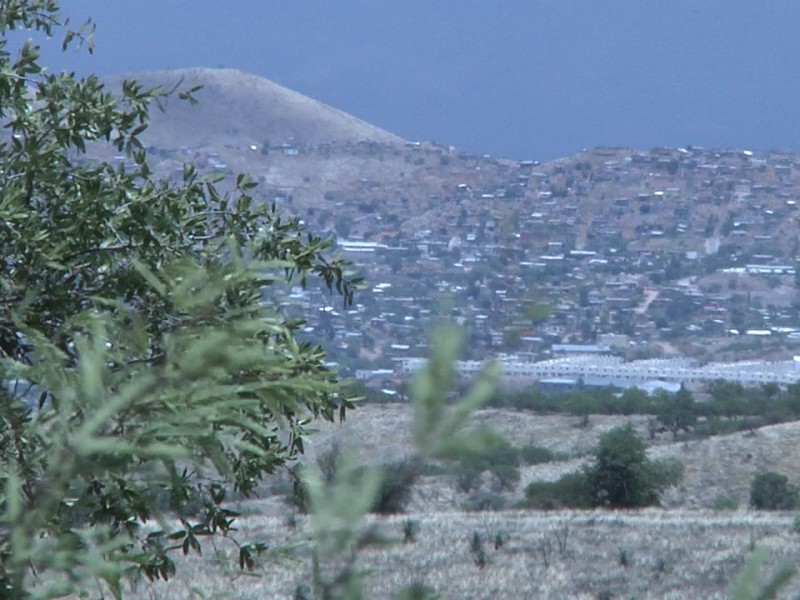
[467, 479]
[391, 497]
[143, 313]
[395, 489]
[724, 502]
[485, 501]
[621, 477]
[410, 530]
[667, 472]
[501, 459]
[571, 491]
[506, 476]
[536, 455]
[417, 591]
[328, 461]
[772, 491]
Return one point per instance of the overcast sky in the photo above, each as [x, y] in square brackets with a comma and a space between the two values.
[524, 79]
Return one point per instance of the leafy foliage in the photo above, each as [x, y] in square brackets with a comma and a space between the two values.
[678, 413]
[145, 356]
[395, 489]
[569, 491]
[499, 458]
[338, 507]
[535, 455]
[621, 477]
[391, 497]
[772, 491]
[748, 585]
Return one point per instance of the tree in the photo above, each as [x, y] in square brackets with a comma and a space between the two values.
[145, 360]
[729, 398]
[633, 400]
[622, 476]
[772, 491]
[677, 412]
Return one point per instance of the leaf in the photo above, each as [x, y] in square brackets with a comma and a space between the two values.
[149, 277]
[13, 495]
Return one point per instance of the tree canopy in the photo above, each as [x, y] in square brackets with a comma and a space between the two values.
[146, 360]
[620, 476]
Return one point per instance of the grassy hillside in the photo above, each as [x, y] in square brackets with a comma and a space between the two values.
[683, 550]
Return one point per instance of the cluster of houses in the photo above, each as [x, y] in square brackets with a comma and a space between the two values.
[655, 254]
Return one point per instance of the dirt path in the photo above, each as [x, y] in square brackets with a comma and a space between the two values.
[650, 294]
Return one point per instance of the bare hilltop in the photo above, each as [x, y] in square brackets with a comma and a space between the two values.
[238, 108]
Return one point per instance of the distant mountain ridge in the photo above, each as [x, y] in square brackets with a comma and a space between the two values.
[236, 107]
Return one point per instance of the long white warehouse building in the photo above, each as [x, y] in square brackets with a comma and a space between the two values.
[613, 370]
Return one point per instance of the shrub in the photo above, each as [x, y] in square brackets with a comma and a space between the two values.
[467, 479]
[667, 472]
[485, 501]
[410, 530]
[296, 492]
[570, 491]
[140, 309]
[506, 476]
[477, 550]
[622, 475]
[328, 461]
[395, 488]
[723, 502]
[500, 458]
[772, 491]
[417, 591]
[396, 482]
[535, 455]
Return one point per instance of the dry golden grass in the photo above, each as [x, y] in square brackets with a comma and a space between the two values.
[643, 554]
[680, 551]
[722, 465]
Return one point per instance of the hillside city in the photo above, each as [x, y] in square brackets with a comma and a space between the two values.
[253, 345]
[684, 254]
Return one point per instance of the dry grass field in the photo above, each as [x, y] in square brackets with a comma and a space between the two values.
[641, 554]
[682, 550]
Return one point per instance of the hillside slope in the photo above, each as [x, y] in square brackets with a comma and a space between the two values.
[236, 107]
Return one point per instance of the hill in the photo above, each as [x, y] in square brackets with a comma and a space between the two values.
[685, 550]
[657, 252]
[662, 252]
[235, 108]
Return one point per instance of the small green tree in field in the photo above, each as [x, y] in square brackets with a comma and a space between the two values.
[677, 412]
[772, 491]
[146, 363]
[622, 476]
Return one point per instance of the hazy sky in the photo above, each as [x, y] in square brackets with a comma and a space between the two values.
[525, 79]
